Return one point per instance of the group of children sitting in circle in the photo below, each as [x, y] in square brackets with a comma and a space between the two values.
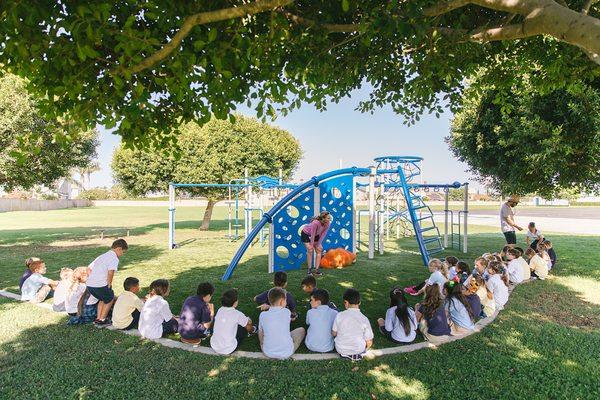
[454, 298]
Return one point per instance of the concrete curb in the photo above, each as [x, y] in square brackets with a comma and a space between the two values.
[479, 325]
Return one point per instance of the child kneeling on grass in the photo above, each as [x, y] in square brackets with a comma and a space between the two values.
[101, 273]
[351, 329]
[37, 287]
[400, 323]
[276, 340]
[458, 309]
[320, 322]
[127, 309]
[197, 314]
[156, 319]
[431, 315]
[231, 326]
[280, 280]
[58, 300]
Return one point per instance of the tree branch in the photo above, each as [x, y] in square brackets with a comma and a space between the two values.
[342, 28]
[587, 5]
[508, 32]
[444, 7]
[201, 19]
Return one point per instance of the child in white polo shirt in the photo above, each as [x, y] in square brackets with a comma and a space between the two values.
[274, 334]
[231, 326]
[351, 329]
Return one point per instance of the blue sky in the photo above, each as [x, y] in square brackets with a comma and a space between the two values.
[343, 133]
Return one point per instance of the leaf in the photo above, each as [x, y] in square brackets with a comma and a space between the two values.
[345, 5]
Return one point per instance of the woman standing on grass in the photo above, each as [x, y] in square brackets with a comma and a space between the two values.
[312, 236]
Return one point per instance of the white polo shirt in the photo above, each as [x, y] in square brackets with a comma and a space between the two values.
[498, 289]
[99, 269]
[227, 320]
[155, 311]
[353, 330]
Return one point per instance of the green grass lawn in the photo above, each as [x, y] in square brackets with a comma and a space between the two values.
[544, 345]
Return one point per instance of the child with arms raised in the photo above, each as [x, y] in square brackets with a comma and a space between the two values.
[37, 287]
[126, 313]
[197, 315]
[280, 280]
[276, 340]
[156, 319]
[320, 322]
[101, 273]
[431, 316]
[231, 326]
[400, 323]
[351, 329]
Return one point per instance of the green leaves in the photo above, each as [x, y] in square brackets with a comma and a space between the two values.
[345, 5]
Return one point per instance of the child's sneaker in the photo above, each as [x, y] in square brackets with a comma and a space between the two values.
[353, 357]
[254, 330]
[316, 272]
[101, 322]
[410, 290]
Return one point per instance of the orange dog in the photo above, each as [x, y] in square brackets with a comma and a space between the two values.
[337, 258]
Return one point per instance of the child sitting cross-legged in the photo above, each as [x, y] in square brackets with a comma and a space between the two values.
[431, 315]
[37, 287]
[127, 308]
[400, 323]
[276, 340]
[351, 329]
[197, 315]
[458, 309]
[517, 267]
[231, 326]
[156, 319]
[537, 265]
[58, 300]
[320, 321]
[439, 272]
[81, 306]
[27, 273]
[496, 287]
[280, 279]
[309, 285]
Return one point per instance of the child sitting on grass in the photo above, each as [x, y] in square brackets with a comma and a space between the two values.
[156, 319]
[462, 271]
[400, 323]
[538, 267]
[431, 315]
[497, 289]
[37, 287]
[451, 263]
[79, 303]
[551, 252]
[351, 329]
[197, 315]
[60, 293]
[231, 326]
[280, 281]
[488, 305]
[437, 269]
[517, 267]
[320, 322]
[27, 273]
[470, 293]
[458, 309]
[101, 273]
[309, 285]
[541, 250]
[276, 340]
[127, 309]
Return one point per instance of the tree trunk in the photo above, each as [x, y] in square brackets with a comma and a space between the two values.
[207, 215]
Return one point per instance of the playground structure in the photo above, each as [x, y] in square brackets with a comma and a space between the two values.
[250, 194]
[394, 199]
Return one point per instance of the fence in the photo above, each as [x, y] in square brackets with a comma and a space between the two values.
[40, 205]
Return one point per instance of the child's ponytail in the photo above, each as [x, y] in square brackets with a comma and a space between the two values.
[398, 300]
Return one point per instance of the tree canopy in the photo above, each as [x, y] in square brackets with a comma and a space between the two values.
[30, 153]
[523, 142]
[216, 152]
[155, 65]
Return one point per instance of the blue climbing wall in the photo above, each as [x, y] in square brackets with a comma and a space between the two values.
[336, 196]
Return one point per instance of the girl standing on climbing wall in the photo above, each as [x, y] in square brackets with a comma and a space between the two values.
[312, 236]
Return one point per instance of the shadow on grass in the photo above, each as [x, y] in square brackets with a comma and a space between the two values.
[522, 354]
